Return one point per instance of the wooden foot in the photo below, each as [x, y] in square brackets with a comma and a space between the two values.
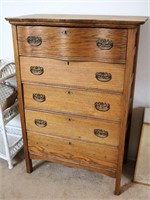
[117, 186]
[29, 168]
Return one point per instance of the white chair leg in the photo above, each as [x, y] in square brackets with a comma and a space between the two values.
[10, 165]
[5, 140]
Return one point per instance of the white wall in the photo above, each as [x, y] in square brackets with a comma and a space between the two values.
[105, 7]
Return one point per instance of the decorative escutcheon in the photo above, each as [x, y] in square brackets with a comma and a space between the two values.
[39, 97]
[103, 76]
[36, 70]
[40, 123]
[66, 32]
[104, 44]
[69, 92]
[101, 133]
[101, 106]
[34, 40]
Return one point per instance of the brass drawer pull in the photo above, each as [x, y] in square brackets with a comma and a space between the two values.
[34, 40]
[101, 106]
[104, 44]
[36, 70]
[40, 123]
[101, 133]
[39, 97]
[103, 76]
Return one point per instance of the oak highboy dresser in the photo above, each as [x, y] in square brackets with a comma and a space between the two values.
[75, 78]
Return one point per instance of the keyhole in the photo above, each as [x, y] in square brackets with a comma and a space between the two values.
[69, 143]
[68, 92]
[69, 119]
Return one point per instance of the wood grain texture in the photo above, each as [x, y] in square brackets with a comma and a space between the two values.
[79, 20]
[126, 104]
[93, 154]
[71, 89]
[133, 74]
[71, 163]
[76, 74]
[20, 100]
[74, 101]
[79, 44]
[73, 127]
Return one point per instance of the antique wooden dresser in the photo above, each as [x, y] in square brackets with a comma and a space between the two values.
[75, 78]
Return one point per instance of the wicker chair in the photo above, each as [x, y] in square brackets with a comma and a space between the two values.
[10, 142]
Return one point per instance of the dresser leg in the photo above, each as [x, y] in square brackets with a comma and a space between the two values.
[117, 186]
[29, 168]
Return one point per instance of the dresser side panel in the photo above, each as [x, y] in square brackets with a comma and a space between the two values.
[20, 98]
[128, 78]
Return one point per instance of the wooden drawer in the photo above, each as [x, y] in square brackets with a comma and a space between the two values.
[77, 44]
[69, 149]
[91, 130]
[79, 74]
[81, 102]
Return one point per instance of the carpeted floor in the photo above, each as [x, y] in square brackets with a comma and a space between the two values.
[51, 181]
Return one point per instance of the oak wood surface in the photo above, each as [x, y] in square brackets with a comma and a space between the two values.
[73, 127]
[76, 44]
[71, 89]
[20, 100]
[79, 151]
[126, 104]
[73, 101]
[71, 163]
[80, 20]
[76, 74]
[133, 74]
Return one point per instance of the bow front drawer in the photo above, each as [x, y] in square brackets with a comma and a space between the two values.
[74, 44]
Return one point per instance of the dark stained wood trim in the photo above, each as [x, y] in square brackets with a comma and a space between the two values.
[20, 100]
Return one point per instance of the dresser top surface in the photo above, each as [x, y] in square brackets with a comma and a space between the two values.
[47, 19]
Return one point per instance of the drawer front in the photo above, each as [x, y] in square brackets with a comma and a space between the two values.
[78, 151]
[96, 104]
[82, 44]
[73, 127]
[80, 74]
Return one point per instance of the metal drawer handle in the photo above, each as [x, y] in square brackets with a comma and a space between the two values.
[101, 106]
[36, 70]
[103, 76]
[40, 123]
[101, 133]
[34, 40]
[104, 44]
[39, 97]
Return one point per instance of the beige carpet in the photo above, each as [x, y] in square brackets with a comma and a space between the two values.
[51, 181]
